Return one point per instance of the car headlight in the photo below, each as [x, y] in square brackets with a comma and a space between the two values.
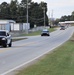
[3, 39]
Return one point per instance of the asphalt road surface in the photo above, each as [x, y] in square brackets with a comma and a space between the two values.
[25, 51]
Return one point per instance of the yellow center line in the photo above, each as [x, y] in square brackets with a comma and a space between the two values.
[6, 49]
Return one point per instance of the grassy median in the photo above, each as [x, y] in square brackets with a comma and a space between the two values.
[58, 62]
[18, 39]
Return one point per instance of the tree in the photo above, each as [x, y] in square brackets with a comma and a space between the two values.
[24, 2]
[13, 9]
[56, 21]
[35, 16]
[72, 16]
[4, 10]
[23, 9]
[43, 6]
[18, 12]
[65, 18]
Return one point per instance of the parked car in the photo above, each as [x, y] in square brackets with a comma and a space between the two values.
[45, 32]
[5, 38]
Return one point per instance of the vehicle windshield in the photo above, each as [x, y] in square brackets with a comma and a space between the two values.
[2, 33]
[45, 31]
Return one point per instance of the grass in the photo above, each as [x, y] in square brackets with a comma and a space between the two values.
[72, 24]
[32, 33]
[58, 62]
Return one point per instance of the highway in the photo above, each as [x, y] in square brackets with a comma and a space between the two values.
[25, 51]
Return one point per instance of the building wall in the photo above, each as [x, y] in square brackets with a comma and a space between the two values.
[26, 26]
[20, 26]
[11, 25]
[6, 24]
[2, 27]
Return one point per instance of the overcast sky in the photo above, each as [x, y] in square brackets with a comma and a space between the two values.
[59, 7]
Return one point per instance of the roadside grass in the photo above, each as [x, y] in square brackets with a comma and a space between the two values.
[18, 39]
[32, 33]
[72, 24]
[58, 62]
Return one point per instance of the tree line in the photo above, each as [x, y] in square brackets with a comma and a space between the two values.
[65, 18]
[18, 12]
[68, 18]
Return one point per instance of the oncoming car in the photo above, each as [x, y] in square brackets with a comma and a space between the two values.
[62, 28]
[45, 32]
[5, 38]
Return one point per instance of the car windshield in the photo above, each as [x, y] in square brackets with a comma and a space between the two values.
[2, 33]
[45, 31]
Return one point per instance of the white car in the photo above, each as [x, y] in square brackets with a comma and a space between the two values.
[5, 38]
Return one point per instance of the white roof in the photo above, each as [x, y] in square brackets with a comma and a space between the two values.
[6, 21]
[66, 22]
[69, 21]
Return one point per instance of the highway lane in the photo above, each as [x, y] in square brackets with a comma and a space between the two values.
[25, 51]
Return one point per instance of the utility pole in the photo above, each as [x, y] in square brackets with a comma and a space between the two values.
[27, 17]
[27, 23]
[52, 14]
[52, 18]
[44, 14]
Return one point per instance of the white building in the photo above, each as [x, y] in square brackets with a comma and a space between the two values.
[11, 25]
[26, 26]
[17, 27]
[6, 24]
[20, 27]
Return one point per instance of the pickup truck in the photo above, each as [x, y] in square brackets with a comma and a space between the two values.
[5, 38]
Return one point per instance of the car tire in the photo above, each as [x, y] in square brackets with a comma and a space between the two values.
[10, 44]
[5, 45]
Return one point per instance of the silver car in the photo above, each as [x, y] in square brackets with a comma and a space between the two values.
[45, 32]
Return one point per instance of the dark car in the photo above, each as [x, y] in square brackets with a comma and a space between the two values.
[5, 38]
[62, 28]
[45, 32]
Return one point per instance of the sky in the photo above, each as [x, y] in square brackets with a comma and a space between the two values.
[56, 8]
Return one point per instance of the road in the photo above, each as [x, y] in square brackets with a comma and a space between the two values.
[25, 51]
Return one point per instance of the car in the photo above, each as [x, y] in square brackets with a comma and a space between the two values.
[62, 28]
[45, 32]
[5, 38]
